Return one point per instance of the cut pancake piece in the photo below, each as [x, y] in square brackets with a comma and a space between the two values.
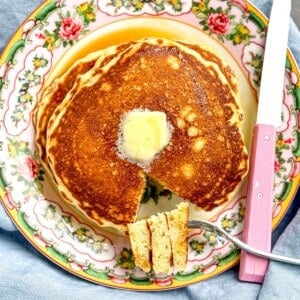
[178, 231]
[160, 244]
[165, 237]
[140, 243]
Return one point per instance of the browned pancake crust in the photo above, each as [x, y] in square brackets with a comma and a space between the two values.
[57, 92]
[209, 56]
[201, 165]
[57, 96]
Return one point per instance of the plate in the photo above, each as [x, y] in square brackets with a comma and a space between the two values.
[59, 32]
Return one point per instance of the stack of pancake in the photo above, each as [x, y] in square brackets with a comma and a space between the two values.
[78, 128]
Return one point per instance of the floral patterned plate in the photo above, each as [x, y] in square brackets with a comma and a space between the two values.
[59, 32]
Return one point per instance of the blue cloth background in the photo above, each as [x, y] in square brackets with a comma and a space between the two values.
[26, 274]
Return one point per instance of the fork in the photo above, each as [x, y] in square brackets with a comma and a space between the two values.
[208, 226]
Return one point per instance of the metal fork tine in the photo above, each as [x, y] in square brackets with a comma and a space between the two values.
[208, 226]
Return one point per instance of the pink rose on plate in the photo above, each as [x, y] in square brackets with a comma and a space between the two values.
[276, 166]
[29, 168]
[218, 23]
[70, 29]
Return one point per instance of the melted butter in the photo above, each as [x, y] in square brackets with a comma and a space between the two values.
[143, 135]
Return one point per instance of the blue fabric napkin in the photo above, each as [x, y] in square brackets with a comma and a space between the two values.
[26, 274]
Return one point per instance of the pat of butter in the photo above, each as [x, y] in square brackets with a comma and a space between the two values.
[144, 134]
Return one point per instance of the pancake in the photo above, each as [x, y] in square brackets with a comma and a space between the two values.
[205, 159]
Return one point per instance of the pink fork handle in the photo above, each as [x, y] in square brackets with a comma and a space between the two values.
[259, 205]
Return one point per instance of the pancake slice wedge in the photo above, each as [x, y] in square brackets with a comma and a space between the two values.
[178, 231]
[140, 241]
[160, 244]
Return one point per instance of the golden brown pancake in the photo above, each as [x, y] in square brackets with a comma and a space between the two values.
[205, 159]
